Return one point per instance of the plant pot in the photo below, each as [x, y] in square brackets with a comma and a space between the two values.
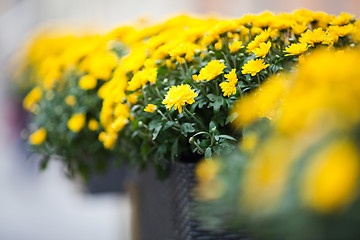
[164, 208]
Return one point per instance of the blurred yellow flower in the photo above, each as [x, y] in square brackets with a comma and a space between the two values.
[32, 99]
[150, 108]
[76, 122]
[207, 169]
[70, 100]
[38, 137]
[178, 96]
[108, 139]
[330, 181]
[93, 125]
[254, 66]
[87, 82]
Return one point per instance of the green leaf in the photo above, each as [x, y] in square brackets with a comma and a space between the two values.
[231, 117]
[168, 124]
[174, 149]
[227, 137]
[187, 128]
[218, 103]
[212, 125]
[156, 132]
[154, 124]
[145, 149]
[208, 152]
[212, 97]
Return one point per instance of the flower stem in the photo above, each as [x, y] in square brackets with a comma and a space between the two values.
[188, 113]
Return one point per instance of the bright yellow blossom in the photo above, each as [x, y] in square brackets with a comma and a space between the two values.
[235, 46]
[32, 99]
[254, 66]
[262, 50]
[218, 45]
[76, 122]
[342, 19]
[93, 125]
[341, 31]
[108, 139]
[177, 96]
[211, 70]
[231, 76]
[207, 169]
[228, 88]
[87, 82]
[330, 181]
[309, 37]
[150, 108]
[296, 49]
[38, 137]
[70, 100]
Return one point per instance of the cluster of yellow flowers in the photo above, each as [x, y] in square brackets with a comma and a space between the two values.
[177, 42]
[179, 61]
[299, 153]
[316, 106]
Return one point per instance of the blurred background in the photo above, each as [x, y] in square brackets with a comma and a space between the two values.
[38, 205]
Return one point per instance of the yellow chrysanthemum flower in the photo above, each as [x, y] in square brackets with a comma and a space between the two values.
[38, 137]
[93, 125]
[218, 45]
[76, 122]
[309, 37]
[235, 46]
[108, 139]
[296, 49]
[231, 77]
[150, 108]
[330, 180]
[70, 100]
[341, 31]
[228, 88]
[254, 66]
[262, 50]
[213, 69]
[32, 99]
[207, 169]
[87, 82]
[177, 96]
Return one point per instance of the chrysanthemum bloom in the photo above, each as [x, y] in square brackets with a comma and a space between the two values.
[76, 122]
[235, 46]
[218, 45]
[38, 137]
[296, 49]
[108, 139]
[177, 96]
[150, 108]
[231, 77]
[32, 99]
[87, 82]
[309, 37]
[262, 50]
[254, 66]
[93, 125]
[228, 88]
[70, 100]
[213, 69]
